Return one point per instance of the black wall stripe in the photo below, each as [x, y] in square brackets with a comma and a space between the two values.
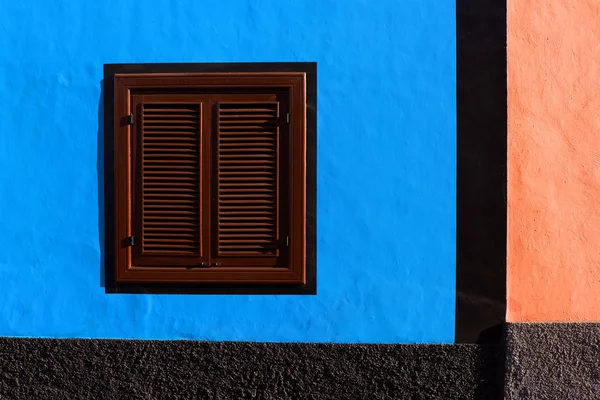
[481, 169]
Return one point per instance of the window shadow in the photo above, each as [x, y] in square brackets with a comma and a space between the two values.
[101, 186]
[105, 187]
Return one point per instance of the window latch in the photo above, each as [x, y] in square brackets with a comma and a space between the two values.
[129, 241]
[130, 119]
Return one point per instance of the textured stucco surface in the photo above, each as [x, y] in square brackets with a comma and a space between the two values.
[386, 161]
[554, 162]
[553, 361]
[104, 369]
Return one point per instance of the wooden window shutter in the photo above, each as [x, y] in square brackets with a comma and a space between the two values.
[251, 181]
[168, 163]
[210, 179]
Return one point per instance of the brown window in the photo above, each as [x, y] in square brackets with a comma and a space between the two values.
[209, 172]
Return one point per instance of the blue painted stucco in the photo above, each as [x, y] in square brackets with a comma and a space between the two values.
[386, 165]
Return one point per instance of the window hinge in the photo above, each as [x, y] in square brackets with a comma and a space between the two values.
[287, 241]
[287, 118]
[130, 241]
[130, 119]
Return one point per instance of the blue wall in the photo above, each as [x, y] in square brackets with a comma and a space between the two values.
[386, 165]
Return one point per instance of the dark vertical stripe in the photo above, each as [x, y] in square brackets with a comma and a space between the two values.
[481, 180]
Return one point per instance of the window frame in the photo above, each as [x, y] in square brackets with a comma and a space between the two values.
[119, 80]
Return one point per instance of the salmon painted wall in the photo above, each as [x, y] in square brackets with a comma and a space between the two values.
[553, 160]
[386, 174]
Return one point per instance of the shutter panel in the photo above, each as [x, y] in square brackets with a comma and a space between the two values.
[170, 169]
[250, 214]
[169, 165]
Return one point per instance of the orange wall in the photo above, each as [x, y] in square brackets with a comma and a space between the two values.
[553, 160]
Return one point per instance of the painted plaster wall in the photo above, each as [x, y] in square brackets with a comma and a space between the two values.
[386, 166]
[553, 160]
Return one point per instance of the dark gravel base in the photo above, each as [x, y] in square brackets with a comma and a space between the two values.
[120, 369]
[553, 361]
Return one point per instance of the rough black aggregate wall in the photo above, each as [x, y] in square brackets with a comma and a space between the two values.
[553, 361]
[120, 369]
